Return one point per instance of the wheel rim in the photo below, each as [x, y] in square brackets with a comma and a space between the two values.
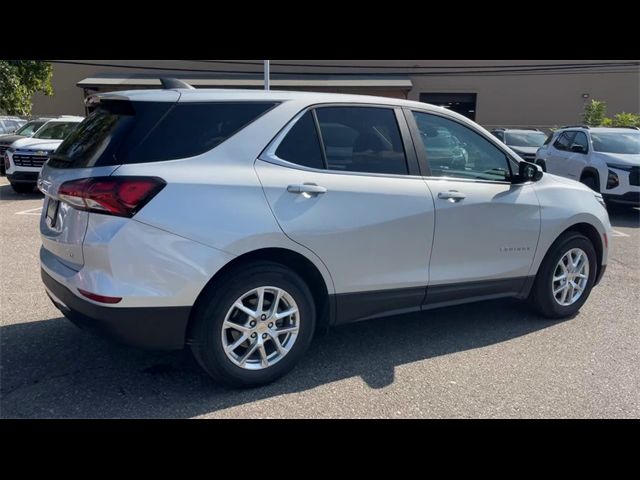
[260, 328]
[570, 277]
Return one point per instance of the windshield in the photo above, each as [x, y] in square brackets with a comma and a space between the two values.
[614, 142]
[28, 128]
[525, 139]
[55, 130]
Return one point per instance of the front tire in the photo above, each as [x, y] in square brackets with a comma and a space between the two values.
[253, 325]
[566, 277]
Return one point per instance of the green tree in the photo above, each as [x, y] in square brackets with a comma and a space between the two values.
[19, 80]
[625, 119]
[593, 115]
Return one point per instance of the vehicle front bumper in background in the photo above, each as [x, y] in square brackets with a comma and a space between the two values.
[23, 177]
[629, 198]
[158, 328]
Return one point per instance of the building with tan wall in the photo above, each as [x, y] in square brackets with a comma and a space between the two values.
[528, 93]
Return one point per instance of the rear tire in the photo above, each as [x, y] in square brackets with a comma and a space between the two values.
[23, 187]
[210, 333]
[542, 297]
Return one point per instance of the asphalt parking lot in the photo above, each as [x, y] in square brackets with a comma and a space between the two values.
[494, 359]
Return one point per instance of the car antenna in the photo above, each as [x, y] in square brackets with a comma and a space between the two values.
[170, 83]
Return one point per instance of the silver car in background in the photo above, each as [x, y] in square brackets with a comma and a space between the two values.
[239, 222]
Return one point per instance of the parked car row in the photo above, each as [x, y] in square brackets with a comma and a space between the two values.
[24, 152]
[607, 160]
[10, 124]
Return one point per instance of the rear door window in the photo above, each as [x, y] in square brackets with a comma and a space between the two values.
[362, 139]
[123, 132]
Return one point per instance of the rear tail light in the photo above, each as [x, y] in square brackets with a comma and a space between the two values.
[120, 196]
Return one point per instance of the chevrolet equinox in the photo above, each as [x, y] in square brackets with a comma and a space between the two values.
[238, 222]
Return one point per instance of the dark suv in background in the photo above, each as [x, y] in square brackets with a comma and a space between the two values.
[525, 142]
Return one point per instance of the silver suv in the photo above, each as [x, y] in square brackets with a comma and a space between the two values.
[240, 222]
[607, 160]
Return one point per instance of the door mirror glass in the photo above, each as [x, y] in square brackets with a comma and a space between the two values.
[528, 172]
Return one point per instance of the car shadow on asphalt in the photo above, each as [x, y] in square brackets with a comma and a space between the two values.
[51, 369]
[7, 193]
[624, 216]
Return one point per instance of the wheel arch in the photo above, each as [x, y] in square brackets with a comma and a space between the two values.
[591, 172]
[589, 231]
[296, 261]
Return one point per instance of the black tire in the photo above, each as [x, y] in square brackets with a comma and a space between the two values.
[541, 297]
[591, 182]
[206, 343]
[23, 187]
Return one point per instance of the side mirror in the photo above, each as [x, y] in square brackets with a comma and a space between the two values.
[578, 148]
[528, 172]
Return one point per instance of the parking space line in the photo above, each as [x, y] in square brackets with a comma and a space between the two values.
[31, 211]
[616, 233]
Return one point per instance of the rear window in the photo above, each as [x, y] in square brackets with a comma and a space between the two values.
[122, 132]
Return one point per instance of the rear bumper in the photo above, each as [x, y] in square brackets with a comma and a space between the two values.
[158, 328]
[23, 177]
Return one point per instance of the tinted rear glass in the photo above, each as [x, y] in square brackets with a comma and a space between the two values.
[122, 132]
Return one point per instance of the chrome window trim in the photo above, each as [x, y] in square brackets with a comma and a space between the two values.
[477, 180]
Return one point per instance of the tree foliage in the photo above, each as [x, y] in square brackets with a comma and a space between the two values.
[594, 113]
[19, 80]
[594, 116]
[623, 119]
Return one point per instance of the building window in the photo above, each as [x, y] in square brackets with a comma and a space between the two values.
[462, 103]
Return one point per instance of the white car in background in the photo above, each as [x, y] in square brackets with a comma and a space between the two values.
[24, 158]
[607, 160]
[29, 129]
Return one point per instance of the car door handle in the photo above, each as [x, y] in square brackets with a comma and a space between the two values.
[310, 188]
[452, 195]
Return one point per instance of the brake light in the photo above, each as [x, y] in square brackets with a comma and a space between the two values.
[120, 196]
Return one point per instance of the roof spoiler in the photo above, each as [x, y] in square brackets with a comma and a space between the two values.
[171, 83]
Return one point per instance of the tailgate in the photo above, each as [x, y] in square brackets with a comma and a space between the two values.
[62, 227]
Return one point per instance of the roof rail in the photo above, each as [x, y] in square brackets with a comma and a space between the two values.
[171, 83]
[577, 126]
[502, 129]
[632, 128]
